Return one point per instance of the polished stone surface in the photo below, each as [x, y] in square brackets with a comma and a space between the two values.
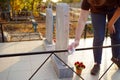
[21, 68]
[49, 25]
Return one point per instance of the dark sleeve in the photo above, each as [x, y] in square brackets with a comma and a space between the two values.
[85, 5]
[119, 3]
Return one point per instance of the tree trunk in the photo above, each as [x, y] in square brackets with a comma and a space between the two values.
[33, 5]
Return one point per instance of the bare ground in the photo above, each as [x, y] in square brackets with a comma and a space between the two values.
[27, 27]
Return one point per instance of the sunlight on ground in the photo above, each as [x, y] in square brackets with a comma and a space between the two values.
[8, 62]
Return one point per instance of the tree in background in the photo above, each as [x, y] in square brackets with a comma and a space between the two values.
[29, 5]
[70, 1]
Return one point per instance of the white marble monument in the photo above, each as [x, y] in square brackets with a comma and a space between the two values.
[48, 42]
[62, 29]
[62, 38]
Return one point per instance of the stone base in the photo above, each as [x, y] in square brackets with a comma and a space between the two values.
[6, 37]
[23, 36]
[48, 46]
[61, 70]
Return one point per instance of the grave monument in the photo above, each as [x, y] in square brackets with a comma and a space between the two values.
[48, 42]
[62, 38]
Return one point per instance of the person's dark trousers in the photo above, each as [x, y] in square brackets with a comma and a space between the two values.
[99, 26]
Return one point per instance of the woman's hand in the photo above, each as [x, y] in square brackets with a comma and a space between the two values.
[73, 45]
[112, 21]
[111, 28]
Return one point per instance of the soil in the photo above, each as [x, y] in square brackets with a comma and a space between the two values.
[27, 27]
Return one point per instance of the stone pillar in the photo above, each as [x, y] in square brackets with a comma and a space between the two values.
[62, 38]
[49, 30]
[49, 25]
[62, 29]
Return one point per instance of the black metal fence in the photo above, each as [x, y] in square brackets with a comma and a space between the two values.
[52, 52]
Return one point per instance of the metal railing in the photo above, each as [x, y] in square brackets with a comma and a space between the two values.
[32, 30]
[52, 52]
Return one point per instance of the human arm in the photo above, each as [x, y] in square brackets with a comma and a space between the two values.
[81, 24]
[112, 21]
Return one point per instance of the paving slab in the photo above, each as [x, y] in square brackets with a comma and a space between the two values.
[22, 67]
